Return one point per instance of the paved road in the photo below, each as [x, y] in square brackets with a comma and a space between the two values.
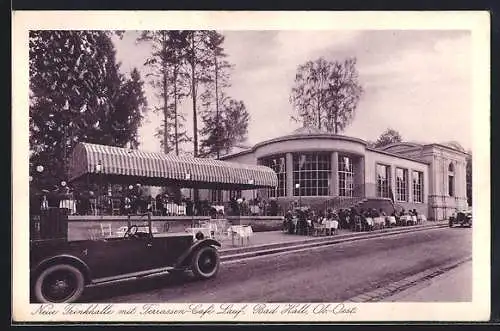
[328, 274]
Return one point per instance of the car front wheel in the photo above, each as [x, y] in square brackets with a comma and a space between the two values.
[205, 262]
[59, 283]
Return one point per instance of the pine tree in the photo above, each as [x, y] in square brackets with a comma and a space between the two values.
[216, 84]
[169, 77]
[225, 131]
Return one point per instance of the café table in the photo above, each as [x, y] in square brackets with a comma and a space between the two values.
[331, 225]
[241, 231]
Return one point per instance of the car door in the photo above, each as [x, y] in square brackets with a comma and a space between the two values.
[118, 256]
[165, 249]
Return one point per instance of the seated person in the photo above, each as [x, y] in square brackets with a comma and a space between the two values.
[334, 222]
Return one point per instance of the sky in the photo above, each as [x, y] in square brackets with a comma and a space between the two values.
[416, 82]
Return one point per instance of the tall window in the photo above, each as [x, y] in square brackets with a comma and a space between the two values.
[234, 194]
[418, 186]
[346, 176]
[312, 172]
[401, 184]
[278, 164]
[216, 196]
[383, 181]
[451, 180]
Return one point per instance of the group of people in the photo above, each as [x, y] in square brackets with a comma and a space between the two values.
[255, 207]
[124, 202]
[303, 220]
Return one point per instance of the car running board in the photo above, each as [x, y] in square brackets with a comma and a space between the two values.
[130, 276]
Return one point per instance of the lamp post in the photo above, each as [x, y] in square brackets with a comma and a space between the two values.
[297, 186]
[39, 168]
[98, 170]
[251, 182]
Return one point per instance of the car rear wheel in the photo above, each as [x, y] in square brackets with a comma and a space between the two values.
[205, 262]
[59, 283]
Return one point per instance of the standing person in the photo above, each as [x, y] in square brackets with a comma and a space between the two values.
[53, 198]
[127, 204]
[239, 201]
[335, 222]
[244, 205]
[189, 207]
[261, 207]
[159, 204]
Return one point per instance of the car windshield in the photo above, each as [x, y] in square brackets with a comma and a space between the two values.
[111, 229]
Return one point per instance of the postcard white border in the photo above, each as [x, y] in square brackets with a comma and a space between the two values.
[477, 22]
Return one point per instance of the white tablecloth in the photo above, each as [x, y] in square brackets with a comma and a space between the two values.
[175, 209]
[243, 231]
[69, 204]
[421, 217]
[379, 220]
[331, 224]
[369, 221]
[218, 208]
[409, 219]
[392, 220]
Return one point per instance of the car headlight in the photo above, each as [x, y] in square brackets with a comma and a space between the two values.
[199, 236]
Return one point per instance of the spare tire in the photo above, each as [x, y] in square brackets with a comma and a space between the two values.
[205, 262]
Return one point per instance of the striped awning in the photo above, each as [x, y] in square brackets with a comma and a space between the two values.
[128, 165]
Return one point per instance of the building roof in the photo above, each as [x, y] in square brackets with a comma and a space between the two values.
[407, 146]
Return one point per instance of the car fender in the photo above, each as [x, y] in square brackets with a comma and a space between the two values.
[185, 257]
[63, 258]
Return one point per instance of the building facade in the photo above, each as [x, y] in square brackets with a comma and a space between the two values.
[315, 167]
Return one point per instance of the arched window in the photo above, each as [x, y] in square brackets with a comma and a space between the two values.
[451, 180]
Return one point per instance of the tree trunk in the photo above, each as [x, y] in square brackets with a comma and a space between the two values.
[336, 129]
[165, 96]
[193, 88]
[319, 114]
[195, 121]
[217, 125]
[175, 114]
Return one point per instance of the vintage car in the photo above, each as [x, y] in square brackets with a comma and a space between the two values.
[461, 218]
[61, 269]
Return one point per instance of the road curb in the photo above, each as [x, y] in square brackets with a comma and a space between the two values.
[275, 248]
[384, 292]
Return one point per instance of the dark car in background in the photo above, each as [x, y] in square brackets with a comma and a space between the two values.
[461, 218]
[61, 269]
